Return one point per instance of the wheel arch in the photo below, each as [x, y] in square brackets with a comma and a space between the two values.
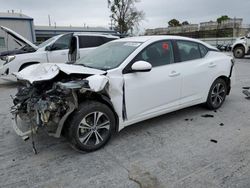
[228, 82]
[239, 45]
[27, 64]
[99, 97]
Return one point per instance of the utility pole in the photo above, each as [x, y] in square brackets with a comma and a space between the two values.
[49, 20]
[111, 23]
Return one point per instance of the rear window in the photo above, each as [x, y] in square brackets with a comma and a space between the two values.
[92, 41]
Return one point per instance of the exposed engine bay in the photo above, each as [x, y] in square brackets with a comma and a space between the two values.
[52, 92]
[47, 104]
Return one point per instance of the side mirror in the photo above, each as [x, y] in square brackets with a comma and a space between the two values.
[48, 48]
[141, 66]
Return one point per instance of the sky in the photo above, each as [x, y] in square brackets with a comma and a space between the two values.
[157, 12]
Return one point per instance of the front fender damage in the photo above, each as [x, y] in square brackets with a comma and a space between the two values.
[49, 109]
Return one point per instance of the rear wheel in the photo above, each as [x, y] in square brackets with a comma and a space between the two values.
[239, 52]
[217, 94]
[91, 126]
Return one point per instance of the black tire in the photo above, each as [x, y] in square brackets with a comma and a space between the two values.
[217, 94]
[239, 52]
[88, 112]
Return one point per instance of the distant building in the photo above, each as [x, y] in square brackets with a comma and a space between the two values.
[45, 32]
[228, 28]
[19, 23]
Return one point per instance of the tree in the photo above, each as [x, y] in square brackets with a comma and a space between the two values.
[222, 18]
[174, 23]
[185, 23]
[124, 15]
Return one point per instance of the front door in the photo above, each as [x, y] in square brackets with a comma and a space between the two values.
[149, 93]
[60, 49]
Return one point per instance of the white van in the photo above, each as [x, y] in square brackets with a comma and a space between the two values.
[59, 49]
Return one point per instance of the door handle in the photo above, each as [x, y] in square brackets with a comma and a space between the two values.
[174, 73]
[63, 53]
[211, 65]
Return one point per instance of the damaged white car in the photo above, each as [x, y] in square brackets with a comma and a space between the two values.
[118, 84]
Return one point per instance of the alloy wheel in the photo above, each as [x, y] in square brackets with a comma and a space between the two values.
[94, 128]
[218, 94]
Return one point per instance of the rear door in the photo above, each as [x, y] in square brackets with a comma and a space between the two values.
[197, 71]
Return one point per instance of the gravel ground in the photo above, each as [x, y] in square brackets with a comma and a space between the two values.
[180, 149]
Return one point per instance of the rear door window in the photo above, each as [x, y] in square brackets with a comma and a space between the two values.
[188, 50]
[90, 41]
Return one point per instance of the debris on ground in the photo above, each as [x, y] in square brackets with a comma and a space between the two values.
[214, 141]
[207, 116]
[221, 124]
[246, 92]
[187, 119]
[215, 111]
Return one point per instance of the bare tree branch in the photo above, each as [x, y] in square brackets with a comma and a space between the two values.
[125, 15]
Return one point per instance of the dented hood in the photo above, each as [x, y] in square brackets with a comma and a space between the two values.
[47, 71]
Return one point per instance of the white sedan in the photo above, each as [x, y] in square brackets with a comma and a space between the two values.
[121, 83]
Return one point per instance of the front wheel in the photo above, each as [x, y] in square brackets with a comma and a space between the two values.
[239, 52]
[91, 127]
[217, 94]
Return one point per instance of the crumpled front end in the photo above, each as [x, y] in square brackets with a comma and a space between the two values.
[48, 104]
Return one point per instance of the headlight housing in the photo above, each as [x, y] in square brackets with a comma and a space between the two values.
[9, 59]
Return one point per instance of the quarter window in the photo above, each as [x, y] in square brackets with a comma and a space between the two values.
[203, 50]
[158, 54]
[188, 50]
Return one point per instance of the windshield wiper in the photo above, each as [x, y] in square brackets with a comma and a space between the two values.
[91, 67]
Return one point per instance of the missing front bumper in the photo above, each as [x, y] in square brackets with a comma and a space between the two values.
[24, 134]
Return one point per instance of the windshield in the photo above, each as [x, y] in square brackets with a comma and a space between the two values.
[109, 55]
[45, 43]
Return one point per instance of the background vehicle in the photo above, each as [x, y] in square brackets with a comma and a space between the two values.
[59, 49]
[241, 47]
[121, 83]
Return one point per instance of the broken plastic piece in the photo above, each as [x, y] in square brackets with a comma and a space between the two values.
[247, 93]
[207, 116]
[97, 82]
[214, 141]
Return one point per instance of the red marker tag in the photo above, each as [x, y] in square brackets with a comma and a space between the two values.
[165, 46]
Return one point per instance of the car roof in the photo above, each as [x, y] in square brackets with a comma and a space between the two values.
[95, 34]
[161, 37]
